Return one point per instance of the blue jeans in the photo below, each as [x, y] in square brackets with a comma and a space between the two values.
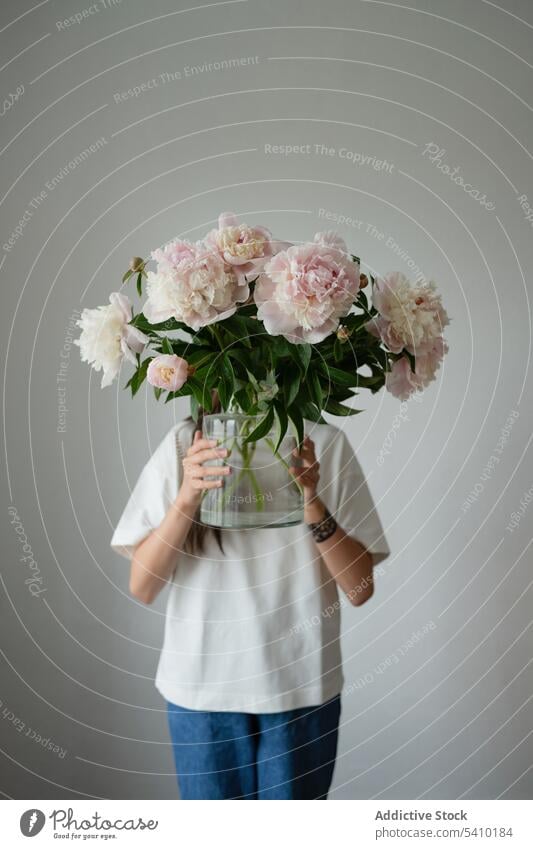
[226, 755]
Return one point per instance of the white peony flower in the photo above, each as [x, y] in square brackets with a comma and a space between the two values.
[106, 337]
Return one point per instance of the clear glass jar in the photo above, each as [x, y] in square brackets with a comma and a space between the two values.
[260, 492]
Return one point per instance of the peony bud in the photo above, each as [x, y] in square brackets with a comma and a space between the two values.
[343, 334]
[136, 263]
[363, 281]
[168, 372]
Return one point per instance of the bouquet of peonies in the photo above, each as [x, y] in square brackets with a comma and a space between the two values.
[282, 332]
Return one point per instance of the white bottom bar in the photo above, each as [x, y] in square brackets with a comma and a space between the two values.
[357, 824]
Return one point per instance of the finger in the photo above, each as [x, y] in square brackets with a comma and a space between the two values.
[203, 454]
[309, 477]
[199, 443]
[308, 465]
[304, 475]
[305, 451]
[298, 472]
[303, 468]
[198, 483]
[196, 472]
[305, 445]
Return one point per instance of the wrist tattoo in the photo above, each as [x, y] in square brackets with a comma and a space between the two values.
[324, 529]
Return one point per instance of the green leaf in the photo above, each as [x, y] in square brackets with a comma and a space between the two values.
[337, 409]
[207, 375]
[365, 381]
[248, 310]
[226, 384]
[381, 357]
[229, 328]
[204, 336]
[279, 346]
[243, 399]
[291, 385]
[243, 328]
[194, 408]
[143, 324]
[195, 356]
[282, 422]
[297, 421]
[262, 428]
[139, 284]
[253, 381]
[227, 370]
[166, 346]
[157, 392]
[127, 275]
[362, 300]
[355, 321]
[201, 392]
[135, 382]
[238, 354]
[310, 411]
[224, 393]
[181, 393]
[337, 376]
[374, 383]
[314, 388]
[253, 325]
[301, 355]
[343, 394]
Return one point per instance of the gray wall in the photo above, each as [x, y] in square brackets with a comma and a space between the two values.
[443, 713]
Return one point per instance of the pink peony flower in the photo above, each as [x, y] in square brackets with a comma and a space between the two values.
[245, 248]
[401, 381]
[174, 255]
[305, 289]
[410, 317]
[192, 284]
[332, 240]
[427, 362]
[167, 371]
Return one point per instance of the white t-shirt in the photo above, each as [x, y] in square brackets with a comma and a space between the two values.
[256, 629]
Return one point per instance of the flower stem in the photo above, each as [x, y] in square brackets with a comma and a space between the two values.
[283, 462]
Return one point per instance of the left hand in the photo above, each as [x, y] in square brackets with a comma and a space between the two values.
[308, 474]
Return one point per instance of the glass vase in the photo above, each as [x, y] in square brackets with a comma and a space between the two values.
[260, 492]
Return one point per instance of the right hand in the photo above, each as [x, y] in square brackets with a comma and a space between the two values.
[194, 472]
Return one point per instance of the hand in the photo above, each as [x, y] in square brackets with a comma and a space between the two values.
[194, 472]
[308, 474]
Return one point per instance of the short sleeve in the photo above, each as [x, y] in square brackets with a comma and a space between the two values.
[150, 499]
[356, 512]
